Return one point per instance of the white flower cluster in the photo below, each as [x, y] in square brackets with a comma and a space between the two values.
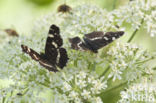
[87, 18]
[136, 12]
[127, 61]
[13, 95]
[140, 92]
[151, 23]
[81, 87]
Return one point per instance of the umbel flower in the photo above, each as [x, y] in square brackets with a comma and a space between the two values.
[136, 13]
[88, 78]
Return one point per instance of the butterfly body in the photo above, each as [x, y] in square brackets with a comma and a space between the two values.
[94, 40]
[55, 55]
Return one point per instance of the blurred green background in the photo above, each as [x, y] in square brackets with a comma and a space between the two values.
[20, 14]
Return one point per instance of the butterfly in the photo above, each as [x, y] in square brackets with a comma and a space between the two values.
[55, 55]
[94, 40]
[64, 8]
[11, 32]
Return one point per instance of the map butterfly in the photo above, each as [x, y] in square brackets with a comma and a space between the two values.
[55, 55]
[94, 40]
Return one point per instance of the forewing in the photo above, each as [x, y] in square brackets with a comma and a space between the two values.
[94, 35]
[54, 37]
[62, 59]
[53, 42]
[77, 44]
[100, 42]
[33, 54]
[40, 58]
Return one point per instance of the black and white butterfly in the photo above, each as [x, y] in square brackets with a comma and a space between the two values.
[94, 40]
[55, 55]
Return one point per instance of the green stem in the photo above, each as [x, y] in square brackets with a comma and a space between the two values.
[154, 68]
[104, 72]
[115, 87]
[134, 33]
[3, 100]
[114, 4]
[27, 89]
[145, 60]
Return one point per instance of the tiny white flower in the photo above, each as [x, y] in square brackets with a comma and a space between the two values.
[82, 75]
[73, 95]
[81, 83]
[86, 94]
[66, 87]
[96, 100]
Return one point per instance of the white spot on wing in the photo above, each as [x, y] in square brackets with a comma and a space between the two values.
[51, 36]
[96, 38]
[113, 38]
[45, 64]
[35, 57]
[53, 43]
[58, 56]
[105, 38]
[79, 45]
[29, 50]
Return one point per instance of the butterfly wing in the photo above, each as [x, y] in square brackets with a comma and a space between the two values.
[53, 51]
[53, 42]
[98, 40]
[91, 38]
[40, 58]
[95, 35]
[77, 44]
[33, 54]
[62, 58]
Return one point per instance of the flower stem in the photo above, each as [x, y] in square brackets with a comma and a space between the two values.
[3, 100]
[104, 72]
[134, 33]
[115, 87]
[145, 60]
[114, 4]
[154, 68]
